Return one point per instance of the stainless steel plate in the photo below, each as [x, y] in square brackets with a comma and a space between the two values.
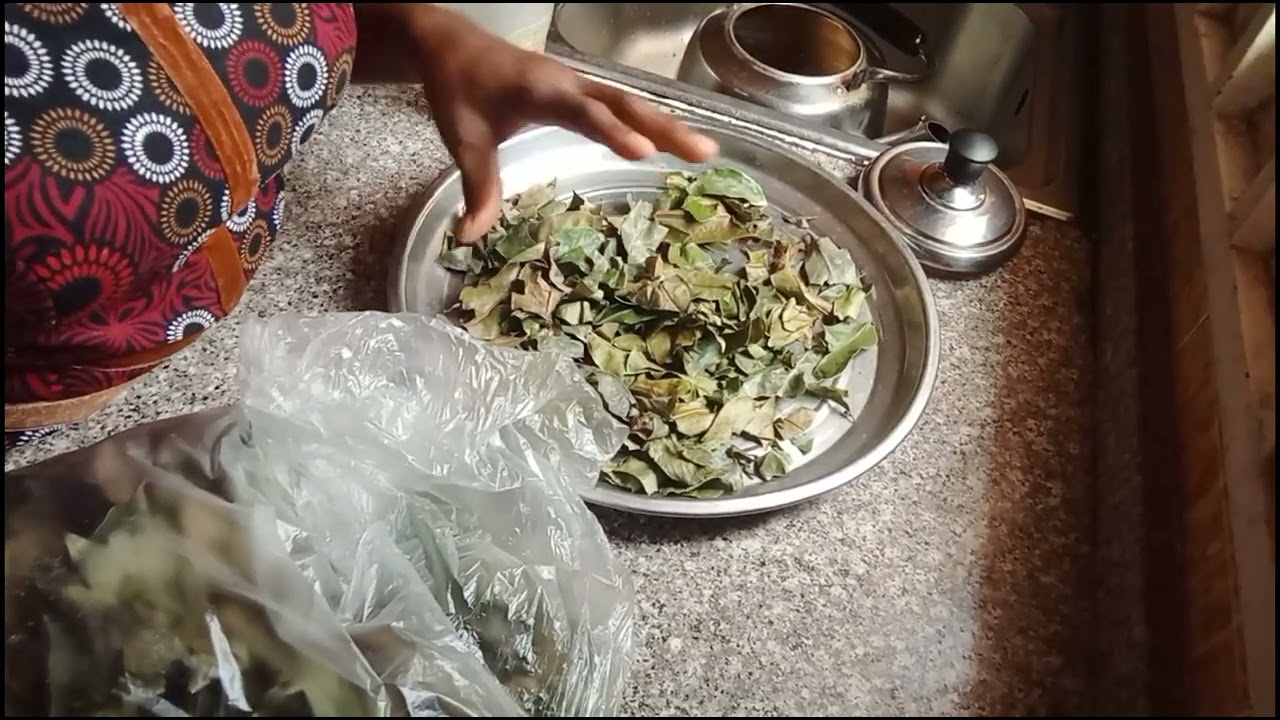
[888, 387]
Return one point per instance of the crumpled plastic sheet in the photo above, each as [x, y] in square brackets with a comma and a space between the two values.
[393, 479]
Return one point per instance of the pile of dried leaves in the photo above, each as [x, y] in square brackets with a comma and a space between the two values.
[701, 321]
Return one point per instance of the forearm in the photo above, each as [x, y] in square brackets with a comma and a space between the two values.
[397, 39]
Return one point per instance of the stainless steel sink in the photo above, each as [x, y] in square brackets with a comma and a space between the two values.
[998, 67]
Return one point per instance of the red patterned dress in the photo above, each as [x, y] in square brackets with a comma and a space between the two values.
[143, 152]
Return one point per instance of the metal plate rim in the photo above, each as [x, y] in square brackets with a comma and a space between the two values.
[730, 505]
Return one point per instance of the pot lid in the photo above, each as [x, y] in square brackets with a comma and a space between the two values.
[959, 214]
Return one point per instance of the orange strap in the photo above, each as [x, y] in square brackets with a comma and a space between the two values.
[35, 415]
[214, 108]
[199, 83]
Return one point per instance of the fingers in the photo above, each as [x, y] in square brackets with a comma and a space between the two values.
[475, 150]
[593, 119]
[666, 132]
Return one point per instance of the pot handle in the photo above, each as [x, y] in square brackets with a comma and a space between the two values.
[899, 31]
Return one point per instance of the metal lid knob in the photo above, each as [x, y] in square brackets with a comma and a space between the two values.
[969, 152]
[960, 214]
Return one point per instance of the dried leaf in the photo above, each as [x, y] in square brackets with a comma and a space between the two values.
[535, 197]
[640, 234]
[702, 208]
[458, 259]
[843, 342]
[579, 246]
[701, 323]
[519, 245]
[484, 297]
[537, 297]
[829, 264]
[728, 183]
[794, 423]
[634, 474]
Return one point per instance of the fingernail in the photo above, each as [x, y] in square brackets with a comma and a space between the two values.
[706, 145]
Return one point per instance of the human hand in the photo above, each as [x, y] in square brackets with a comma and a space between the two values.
[482, 90]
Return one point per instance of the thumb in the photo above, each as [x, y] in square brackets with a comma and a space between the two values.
[476, 155]
[482, 190]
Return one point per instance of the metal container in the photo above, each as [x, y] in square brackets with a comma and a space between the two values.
[888, 386]
[960, 215]
[798, 59]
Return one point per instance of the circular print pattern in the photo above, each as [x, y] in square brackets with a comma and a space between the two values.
[277, 212]
[186, 209]
[338, 78]
[164, 89]
[55, 13]
[102, 75]
[239, 221]
[73, 144]
[156, 147]
[254, 70]
[80, 276]
[28, 70]
[112, 11]
[214, 26]
[25, 437]
[306, 128]
[190, 250]
[284, 23]
[273, 136]
[306, 73]
[191, 322]
[205, 155]
[12, 139]
[253, 247]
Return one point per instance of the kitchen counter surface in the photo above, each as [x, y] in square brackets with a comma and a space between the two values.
[951, 580]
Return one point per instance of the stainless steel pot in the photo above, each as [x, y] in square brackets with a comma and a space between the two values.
[802, 60]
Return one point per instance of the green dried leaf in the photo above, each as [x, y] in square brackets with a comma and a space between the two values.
[579, 246]
[757, 268]
[718, 229]
[702, 208]
[529, 201]
[773, 463]
[458, 259]
[692, 418]
[536, 297]
[829, 264]
[519, 245]
[793, 423]
[489, 325]
[848, 304]
[634, 474]
[617, 397]
[728, 183]
[732, 418]
[693, 465]
[678, 180]
[606, 356]
[640, 234]
[689, 255]
[480, 299]
[763, 417]
[702, 323]
[843, 342]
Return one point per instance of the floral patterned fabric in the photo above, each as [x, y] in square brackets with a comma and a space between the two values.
[112, 185]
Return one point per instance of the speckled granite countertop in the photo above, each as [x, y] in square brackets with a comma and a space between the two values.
[951, 580]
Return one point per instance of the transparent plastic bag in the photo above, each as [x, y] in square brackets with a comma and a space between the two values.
[388, 524]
